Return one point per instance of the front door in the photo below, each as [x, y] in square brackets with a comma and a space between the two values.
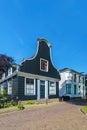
[42, 89]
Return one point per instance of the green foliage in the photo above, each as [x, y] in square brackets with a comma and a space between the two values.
[3, 97]
[13, 103]
[20, 106]
[84, 109]
[30, 102]
[6, 105]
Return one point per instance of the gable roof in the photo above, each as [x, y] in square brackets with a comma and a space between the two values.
[72, 70]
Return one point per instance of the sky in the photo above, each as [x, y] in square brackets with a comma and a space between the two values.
[62, 22]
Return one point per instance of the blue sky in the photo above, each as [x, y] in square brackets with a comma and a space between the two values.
[62, 22]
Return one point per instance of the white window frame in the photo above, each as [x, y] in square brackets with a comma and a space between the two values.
[47, 65]
[1, 89]
[28, 94]
[68, 88]
[50, 87]
[3, 75]
[10, 71]
[9, 88]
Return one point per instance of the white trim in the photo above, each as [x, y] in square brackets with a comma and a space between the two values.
[25, 93]
[47, 64]
[10, 71]
[3, 76]
[9, 88]
[34, 55]
[23, 74]
[39, 40]
[46, 89]
[52, 62]
[38, 89]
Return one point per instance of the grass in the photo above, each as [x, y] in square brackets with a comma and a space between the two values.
[27, 105]
[84, 109]
[30, 102]
[6, 110]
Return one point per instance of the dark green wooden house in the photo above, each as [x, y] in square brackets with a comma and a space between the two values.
[35, 78]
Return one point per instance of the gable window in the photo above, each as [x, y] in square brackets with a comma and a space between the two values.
[9, 87]
[52, 88]
[43, 65]
[30, 86]
[68, 88]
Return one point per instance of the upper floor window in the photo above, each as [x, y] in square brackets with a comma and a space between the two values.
[43, 65]
[10, 71]
[79, 79]
[74, 77]
[83, 80]
[3, 75]
[75, 89]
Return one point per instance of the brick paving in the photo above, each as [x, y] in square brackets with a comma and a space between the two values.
[54, 116]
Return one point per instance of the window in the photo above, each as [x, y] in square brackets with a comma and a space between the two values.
[3, 75]
[68, 88]
[79, 79]
[79, 89]
[10, 71]
[9, 87]
[74, 77]
[43, 65]
[83, 80]
[75, 88]
[52, 88]
[29, 87]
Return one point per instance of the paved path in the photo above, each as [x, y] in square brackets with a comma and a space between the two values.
[54, 116]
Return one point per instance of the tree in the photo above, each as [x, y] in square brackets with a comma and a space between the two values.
[5, 62]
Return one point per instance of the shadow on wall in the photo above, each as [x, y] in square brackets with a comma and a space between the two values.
[62, 90]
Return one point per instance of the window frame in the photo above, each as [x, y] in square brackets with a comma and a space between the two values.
[51, 87]
[9, 88]
[68, 89]
[34, 91]
[47, 65]
[9, 71]
[75, 89]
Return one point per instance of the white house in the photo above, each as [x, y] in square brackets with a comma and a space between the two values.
[72, 83]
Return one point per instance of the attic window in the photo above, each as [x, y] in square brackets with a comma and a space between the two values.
[43, 65]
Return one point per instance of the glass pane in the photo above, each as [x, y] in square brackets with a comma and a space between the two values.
[44, 65]
[29, 81]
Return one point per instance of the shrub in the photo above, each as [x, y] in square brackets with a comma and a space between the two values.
[6, 105]
[13, 103]
[20, 106]
[30, 102]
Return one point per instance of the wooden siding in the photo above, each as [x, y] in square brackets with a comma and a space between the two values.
[33, 65]
[21, 91]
